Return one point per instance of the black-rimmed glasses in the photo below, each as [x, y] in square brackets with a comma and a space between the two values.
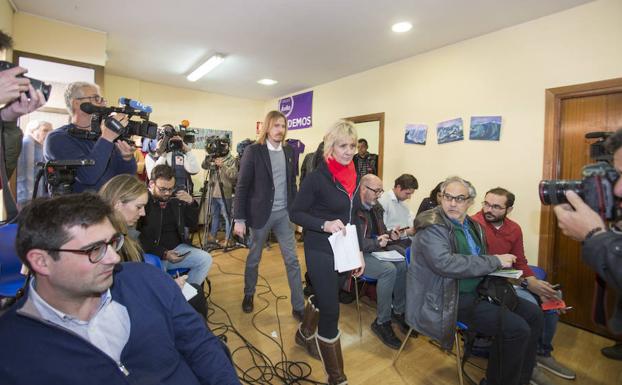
[377, 191]
[97, 251]
[459, 199]
[494, 207]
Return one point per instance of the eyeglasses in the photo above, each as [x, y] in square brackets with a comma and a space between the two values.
[494, 207]
[165, 190]
[378, 191]
[459, 199]
[96, 98]
[97, 251]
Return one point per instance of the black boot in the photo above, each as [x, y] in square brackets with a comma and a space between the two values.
[385, 332]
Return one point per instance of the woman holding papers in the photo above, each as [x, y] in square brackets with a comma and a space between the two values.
[325, 205]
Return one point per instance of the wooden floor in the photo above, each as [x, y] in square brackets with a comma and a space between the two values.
[367, 360]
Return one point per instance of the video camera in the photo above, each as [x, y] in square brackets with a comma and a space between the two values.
[217, 147]
[131, 108]
[60, 174]
[45, 88]
[596, 186]
[187, 135]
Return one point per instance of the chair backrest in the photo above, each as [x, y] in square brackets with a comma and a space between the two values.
[153, 260]
[9, 261]
[538, 272]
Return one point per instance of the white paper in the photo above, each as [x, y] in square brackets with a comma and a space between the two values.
[391, 256]
[508, 273]
[346, 249]
[188, 291]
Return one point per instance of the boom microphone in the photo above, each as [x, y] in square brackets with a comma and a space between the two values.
[90, 108]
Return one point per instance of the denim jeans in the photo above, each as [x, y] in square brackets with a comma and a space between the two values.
[198, 261]
[218, 209]
[390, 288]
[551, 317]
[284, 231]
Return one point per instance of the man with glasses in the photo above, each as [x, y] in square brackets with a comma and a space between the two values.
[503, 235]
[73, 326]
[390, 275]
[76, 141]
[168, 214]
[449, 261]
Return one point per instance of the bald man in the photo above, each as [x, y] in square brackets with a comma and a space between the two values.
[390, 276]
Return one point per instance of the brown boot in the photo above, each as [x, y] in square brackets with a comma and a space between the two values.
[330, 353]
[305, 336]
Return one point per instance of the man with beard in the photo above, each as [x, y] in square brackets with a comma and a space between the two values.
[505, 236]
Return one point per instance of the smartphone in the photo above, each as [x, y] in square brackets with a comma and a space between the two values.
[557, 286]
[184, 254]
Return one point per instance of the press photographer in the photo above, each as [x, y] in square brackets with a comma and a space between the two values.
[78, 140]
[218, 186]
[601, 241]
[174, 150]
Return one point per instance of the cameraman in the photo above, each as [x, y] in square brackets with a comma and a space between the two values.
[186, 164]
[76, 141]
[227, 167]
[13, 88]
[601, 247]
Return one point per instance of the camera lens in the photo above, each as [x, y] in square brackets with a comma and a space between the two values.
[553, 192]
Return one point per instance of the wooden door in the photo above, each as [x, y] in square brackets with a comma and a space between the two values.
[575, 113]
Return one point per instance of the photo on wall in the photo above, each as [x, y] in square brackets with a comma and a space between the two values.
[485, 128]
[415, 133]
[450, 131]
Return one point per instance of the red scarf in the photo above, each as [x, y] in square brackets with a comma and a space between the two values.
[346, 175]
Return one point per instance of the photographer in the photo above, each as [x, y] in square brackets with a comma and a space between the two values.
[601, 247]
[13, 89]
[219, 159]
[77, 141]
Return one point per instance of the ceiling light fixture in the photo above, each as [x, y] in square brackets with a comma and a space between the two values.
[206, 67]
[401, 27]
[267, 82]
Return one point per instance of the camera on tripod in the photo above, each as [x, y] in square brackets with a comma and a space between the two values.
[132, 108]
[60, 175]
[216, 147]
[186, 134]
[45, 88]
[596, 186]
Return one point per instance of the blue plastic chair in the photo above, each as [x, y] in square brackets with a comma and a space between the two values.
[155, 261]
[11, 279]
[538, 272]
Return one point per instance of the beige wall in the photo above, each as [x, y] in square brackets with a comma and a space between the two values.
[53, 38]
[6, 17]
[502, 73]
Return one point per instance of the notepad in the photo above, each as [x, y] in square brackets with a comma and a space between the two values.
[507, 273]
[390, 256]
[189, 291]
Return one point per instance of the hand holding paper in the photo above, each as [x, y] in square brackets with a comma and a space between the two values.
[346, 249]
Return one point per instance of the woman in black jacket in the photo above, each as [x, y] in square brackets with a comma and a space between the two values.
[326, 202]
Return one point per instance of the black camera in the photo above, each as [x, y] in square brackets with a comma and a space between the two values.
[217, 147]
[186, 134]
[61, 174]
[132, 108]
[45, 88]
[596, 185]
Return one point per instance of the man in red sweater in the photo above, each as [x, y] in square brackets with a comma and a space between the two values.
[505, 236]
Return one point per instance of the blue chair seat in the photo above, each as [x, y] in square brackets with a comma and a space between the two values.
[155, 261]
[10, 265]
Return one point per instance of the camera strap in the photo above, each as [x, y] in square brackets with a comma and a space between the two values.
[7, 197]
[82, 134]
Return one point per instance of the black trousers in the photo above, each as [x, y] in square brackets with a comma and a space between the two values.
[513, 357]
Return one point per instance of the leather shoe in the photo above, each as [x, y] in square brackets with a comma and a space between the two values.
[386, 334]
[298, 314]
[247, 304]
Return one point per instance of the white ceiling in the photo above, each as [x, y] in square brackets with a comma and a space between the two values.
[300, 43]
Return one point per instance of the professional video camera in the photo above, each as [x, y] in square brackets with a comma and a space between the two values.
[217, 147]
[131, 108]
[45, 88]
[60, 175]
[596, 186]
[187, 135]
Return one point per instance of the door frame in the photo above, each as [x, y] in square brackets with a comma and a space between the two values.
[552, 143]
[377, 117]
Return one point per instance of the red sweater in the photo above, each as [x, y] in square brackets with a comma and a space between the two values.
[508, 239]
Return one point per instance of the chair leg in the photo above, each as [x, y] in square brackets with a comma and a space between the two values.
[458, 357]
[358, 306]
[410, 330]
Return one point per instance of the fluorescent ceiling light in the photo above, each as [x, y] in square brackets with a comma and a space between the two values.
[206, 67]
[267, 82]
[403, 26]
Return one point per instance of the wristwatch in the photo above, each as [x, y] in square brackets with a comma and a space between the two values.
[524, 283]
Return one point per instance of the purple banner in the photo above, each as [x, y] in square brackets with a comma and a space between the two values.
[297, 109]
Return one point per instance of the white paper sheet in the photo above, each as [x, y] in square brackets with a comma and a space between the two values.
[391, 255]
[189, 291]
[346, 249]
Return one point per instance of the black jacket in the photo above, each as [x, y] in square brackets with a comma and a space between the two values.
[254, 192]
[150, 226]
[321, 199]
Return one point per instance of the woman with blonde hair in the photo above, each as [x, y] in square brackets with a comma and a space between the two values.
[128, 196]
[325, 204]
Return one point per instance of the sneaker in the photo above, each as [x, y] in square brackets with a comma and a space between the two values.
[386, 334]
[614, 352]
[247, 303]
[298, 314]
[400, 321]
[549, 363]
[539, 378]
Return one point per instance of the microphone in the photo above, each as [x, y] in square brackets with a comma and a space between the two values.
[90, 108]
